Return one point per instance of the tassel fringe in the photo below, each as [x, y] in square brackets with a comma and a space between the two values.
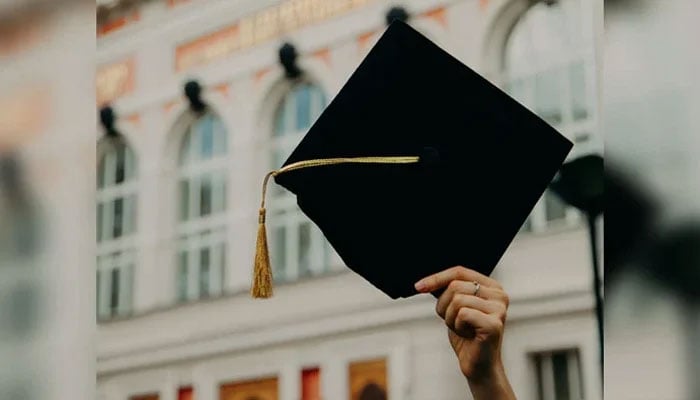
[262, 272]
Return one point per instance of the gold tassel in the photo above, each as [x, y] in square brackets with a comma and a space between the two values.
[262, 271]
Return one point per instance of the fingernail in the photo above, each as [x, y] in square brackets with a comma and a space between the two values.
[420, 286]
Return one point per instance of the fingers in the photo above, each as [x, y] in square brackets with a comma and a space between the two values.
[469, 320]
[461, 301]
[465, 310]
[467, 288]
[443, 278]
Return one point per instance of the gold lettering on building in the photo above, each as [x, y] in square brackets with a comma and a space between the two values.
[260, 27]
[339, 6]
[304, 11]
[320, 9]
[287, 18]
[266, 26]
[247, 33]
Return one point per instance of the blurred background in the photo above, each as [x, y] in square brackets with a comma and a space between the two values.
[651, 103]
[198, 99]
[135, 204]
[47, 148]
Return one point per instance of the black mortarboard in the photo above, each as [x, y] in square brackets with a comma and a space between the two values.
[417, 165]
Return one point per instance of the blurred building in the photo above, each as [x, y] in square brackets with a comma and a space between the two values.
[652, 98]
[178, 192]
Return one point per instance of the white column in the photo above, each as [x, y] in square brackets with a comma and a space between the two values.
[398, 371]
[590, 370]
[334, 381]
[204, 386]
[168, 388]
[289, 378]
[244, 183]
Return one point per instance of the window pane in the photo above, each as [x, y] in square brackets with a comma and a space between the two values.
[184, 199]
[130, 216]
[222, 252]
[182, 276]
[114, 292]
[220, 145]
[280, 252]
[573, 16]
[120, 171]
[540, 381]
[98, 288]
[118, 216]
[126, 219]
[516, 89]
[561, 376]
[204, 272]
[547, 100]
[578, 91]
[286, 115]
[279, 121]
[219, 193]
[577, 392]
[555, 207]
[206, 136]
[319, 103]
[101, 173]
[303, 100]
[205, 195]
[126, 286]
[100, 211]
[129, 163]
[279, 156]
[186, 147]
[304, 249]
[224, 197]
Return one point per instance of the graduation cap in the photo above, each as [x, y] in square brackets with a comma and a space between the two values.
[418, 164]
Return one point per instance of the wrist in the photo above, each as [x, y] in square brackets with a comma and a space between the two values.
[491, 383]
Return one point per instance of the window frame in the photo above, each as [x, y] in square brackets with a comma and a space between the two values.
[124, 263]
[539, 221]
[197, 231]
[544, 366]
[215, 243]
[115, 253]
[285, 214]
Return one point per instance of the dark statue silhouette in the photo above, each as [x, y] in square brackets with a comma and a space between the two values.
[372, 392]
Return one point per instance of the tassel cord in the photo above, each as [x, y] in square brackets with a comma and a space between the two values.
[262, 271]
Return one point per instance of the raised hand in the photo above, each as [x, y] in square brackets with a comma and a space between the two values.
[474, 308]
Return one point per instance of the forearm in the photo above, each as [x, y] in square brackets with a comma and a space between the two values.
[493, 386]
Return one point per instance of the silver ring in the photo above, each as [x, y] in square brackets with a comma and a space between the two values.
[476, 288]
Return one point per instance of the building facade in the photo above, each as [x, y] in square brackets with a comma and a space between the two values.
[178, 193]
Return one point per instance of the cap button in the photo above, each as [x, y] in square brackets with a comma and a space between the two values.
[429, 156]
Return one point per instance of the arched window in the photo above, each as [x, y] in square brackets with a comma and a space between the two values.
[549, 67]
[116, 223]
[201, 228]
[298, 249]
